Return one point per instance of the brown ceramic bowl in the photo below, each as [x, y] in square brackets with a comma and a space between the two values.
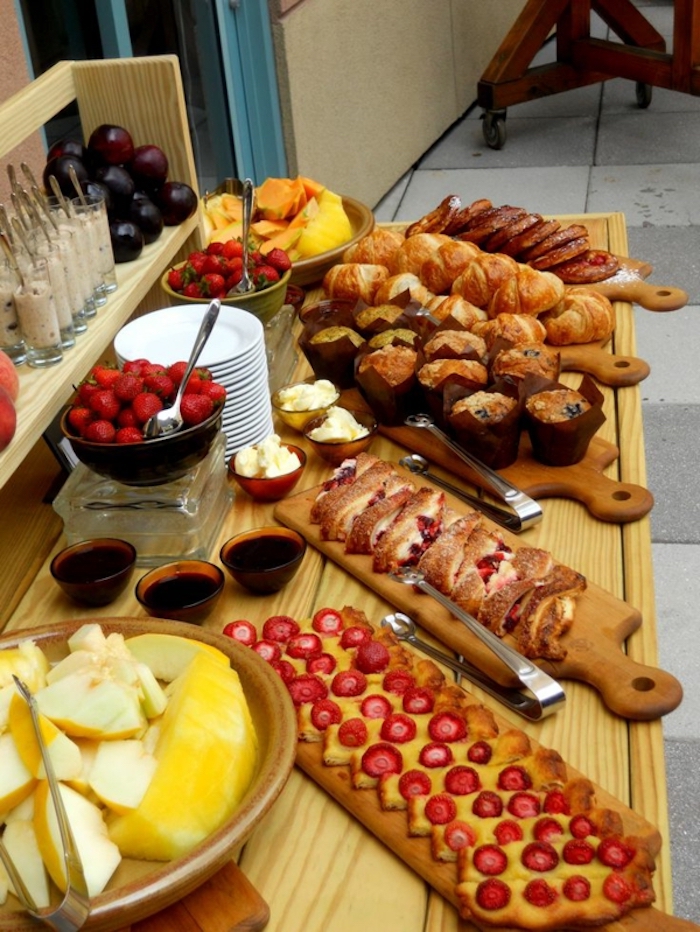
[274, 488]
[293, 418]
[142, 888]
[334, 452]
[96, 571]
[264, 559]
[186, 590]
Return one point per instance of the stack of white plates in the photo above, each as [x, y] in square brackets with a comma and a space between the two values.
[234, 353]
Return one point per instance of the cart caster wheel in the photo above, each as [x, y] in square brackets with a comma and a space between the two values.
[643, 93]
[494, 128]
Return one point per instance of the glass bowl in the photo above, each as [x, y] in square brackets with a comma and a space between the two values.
[264, 559]
[296, 419]
[335, 451]
[186, 590]
[271, 489]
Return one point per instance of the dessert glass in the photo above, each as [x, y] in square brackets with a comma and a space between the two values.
[91, 212]
[11, 340]
[36, 312]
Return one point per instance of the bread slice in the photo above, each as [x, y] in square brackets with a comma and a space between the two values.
[547, 612]
[369, 526]
[418, 524]
[337, 517]
[335, 487]
[442, 560]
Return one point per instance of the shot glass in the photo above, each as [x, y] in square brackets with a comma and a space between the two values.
[36, 312]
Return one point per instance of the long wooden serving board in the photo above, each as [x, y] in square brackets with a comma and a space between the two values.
[628, 284]
[594, 643]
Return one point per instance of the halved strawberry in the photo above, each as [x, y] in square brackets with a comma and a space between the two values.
[280, 628]
[354, 636]
[613, 852]
[268, 650]
[617, 888]
[398, 728]
[514, 777]
[241, 630]
[555, 803]
[578, 851]
[524, 805]
[507, 831]
[459, 835]
[372, 657]
[352, 733]
[480, 752]
[547, 829]
[580, 826]
[414, 783]
[398, 681]
[576, 888]
[375, 706]
[349, 683]
[487, 805]
[307, 687]
[325, 712]
[440, 809]
[435, 754]
[462, 780]
[540, 856]
[302, 646]
[321, 663]
[327, 621]
[382, 758]
[539, 893]
[493, 894]
[418, 700]
[490, 859]
[284, 669]
[447, 726]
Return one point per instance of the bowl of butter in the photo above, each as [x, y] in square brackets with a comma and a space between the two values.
[340, 433]
[269, 470]
[301, 402]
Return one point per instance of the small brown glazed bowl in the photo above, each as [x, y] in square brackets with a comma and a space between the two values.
[334, 452]
[271, 489]
[264, 559]
[186, 590]
[95, 571]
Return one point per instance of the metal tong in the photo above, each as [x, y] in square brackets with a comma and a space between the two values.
[527, 511]
[545, 694]
[73, 911]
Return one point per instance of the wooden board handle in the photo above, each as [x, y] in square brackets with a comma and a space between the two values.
[649, 296]
[616, 371]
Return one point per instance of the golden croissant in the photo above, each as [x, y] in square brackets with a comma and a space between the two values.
[582, 316]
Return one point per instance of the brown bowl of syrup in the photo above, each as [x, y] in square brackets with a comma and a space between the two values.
[186, 590]
[264, 559]
[96, 571]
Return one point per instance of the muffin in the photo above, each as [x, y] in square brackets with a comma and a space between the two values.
[400, 335]
[380, 317]
[387, 379]
[331, 352]
[561, 422]
[487, 422]
[524, 359]
[455, 344]
[433, 375]
[558, 404]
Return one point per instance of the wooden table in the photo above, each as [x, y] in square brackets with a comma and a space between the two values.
[317, 867]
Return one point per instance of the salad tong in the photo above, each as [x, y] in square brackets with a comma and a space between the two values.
[527, 511]
[73, 911]
[543, 695]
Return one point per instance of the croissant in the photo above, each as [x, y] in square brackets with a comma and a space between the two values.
[396, 284]
[582, 316]
[516, 328]
[527, 292]
[483, 276]
[414, 250]
[354, 281]
[456, 307]
[377, 248]
[439, 270]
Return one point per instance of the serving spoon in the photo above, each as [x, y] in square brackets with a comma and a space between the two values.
[170, 419]
[245, 285]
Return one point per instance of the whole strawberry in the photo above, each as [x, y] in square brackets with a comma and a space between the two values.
[128, 435]
[79, 417]
[100, 431]
[145, 406]
[105, 376]
[196, 408]
[279, 260]
[105, 404]
[127, 387]
[160, 384]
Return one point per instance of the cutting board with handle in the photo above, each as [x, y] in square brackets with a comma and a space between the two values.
[607, 368]
[594, 643]
[629, 284]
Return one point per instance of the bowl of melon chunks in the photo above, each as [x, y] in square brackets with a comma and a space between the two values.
[311, 223]
[169, 743]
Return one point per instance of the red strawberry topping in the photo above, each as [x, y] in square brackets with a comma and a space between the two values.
[372, 657]
[354, 636]
[440, 809]
[547, 829]
[375, 706]
[447, 726]
[398, 681]
[352, 733]
[303, 646]
[321, 663]
[480, 752]
[576, 888]
[493, 894]
[435, 755]
[507, 831]
[398, 728]
[461, 780]
[349, 683]
[307, 687]
[242, 631]
[285, 670]
[382, 758]
[613, 852]
[514, 778]
[490, 859]
[524, 805]
[418, 700]
[268, 650]
[487, 805]
[325, 712]
[539, 893]
[327, 621]
[414, 783]
[459, 835]
[617, 888]
[280, 628]
[578, 851]
[555, 803]
[540, 856]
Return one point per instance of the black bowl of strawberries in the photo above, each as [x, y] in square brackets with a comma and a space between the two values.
[104, 423]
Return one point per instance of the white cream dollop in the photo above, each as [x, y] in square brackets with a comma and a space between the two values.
[308, 396]
[338, 426]
[266, 460]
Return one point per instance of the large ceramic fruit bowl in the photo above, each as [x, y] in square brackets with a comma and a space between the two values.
[263, 304]
[311, 271]
[142, 888]
[151, 462]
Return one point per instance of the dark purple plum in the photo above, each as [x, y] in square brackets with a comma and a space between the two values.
[177, 202]
[121, 186]
[59, 167]
[72, 147]
[127, 240]
[112, 144]
[149, 167]
[97, 189]
[147, 217]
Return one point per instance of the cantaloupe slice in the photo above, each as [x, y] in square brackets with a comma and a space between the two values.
[267, 228]
[312, 188]
[234, 230]
[277, 198]
[286, 240]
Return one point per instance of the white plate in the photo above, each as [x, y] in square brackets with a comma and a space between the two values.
[167, 335]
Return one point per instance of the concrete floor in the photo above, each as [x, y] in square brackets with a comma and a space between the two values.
[593, 150]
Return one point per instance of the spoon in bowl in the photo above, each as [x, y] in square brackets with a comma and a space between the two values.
[170, 419]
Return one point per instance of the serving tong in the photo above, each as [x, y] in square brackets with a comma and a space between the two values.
[543, 695]
[527, 510]
[74, 909]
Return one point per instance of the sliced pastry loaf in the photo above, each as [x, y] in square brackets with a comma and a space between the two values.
[415, 528]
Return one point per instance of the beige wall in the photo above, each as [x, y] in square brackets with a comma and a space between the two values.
[14, 75]
[368, 86]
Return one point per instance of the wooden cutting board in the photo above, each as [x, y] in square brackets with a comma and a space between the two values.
[628, 284]
[594, 643]
[227, 902]
[609, 369]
